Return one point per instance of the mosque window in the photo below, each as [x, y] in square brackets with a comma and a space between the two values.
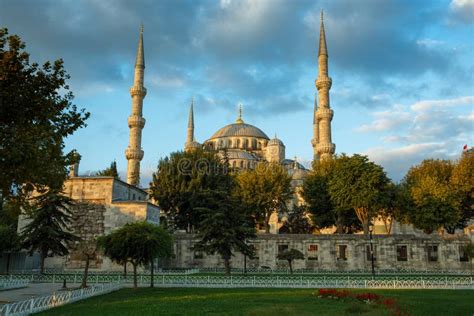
[282, 248]
[463, 255]
[433, 253]
[234, 164]
[312, 252]
[248, 164]
[230, 143]
[241, 164]
[342, 252]
[237, 143]
[402, 253]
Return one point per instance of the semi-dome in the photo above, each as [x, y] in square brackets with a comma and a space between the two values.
[275, 141]
[239, 129]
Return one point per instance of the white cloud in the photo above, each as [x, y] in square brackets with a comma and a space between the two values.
[429, 104]
[463, 10]
[428, 42]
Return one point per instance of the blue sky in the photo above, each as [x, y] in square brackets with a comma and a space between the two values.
[403, 85]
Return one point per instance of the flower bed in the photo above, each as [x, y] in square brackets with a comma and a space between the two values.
[369, 298]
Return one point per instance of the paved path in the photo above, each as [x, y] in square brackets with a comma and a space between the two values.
[32, 290]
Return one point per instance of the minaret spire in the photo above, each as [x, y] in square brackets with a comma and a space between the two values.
[322, 140]
[191, 143]
[239, 119]
[136, 122]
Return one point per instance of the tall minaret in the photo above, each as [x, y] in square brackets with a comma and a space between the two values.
[136, 122]
[324, 148]
[190, 133]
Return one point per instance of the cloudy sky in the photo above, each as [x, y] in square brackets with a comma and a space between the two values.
[403, 84]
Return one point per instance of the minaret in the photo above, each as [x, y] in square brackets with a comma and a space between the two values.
[136, 122]
[189, 145]
[324, 146]
[315, 139]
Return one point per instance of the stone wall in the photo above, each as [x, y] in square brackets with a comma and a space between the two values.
[327, 252]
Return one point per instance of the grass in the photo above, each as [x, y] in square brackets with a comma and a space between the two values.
[197, 301]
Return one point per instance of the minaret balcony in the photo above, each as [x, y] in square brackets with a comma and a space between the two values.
[136, 121]
[138, 91]
[324, 114]
[323, 83]
[136, 154]
[326, 148]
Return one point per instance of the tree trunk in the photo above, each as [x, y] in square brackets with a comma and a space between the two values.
[42, 258]
[8, 262]
[245, 264]
[363, 216]
[86, 273]
[291, 266]
[339, 224]
[152, 270]
[267, 223]
[135, 285]
[227, 265]
[125, 269]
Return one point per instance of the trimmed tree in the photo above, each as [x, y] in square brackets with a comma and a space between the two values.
[265, 190]
[291, 255]
[49, 226]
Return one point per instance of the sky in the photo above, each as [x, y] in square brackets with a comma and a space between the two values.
[402, 72]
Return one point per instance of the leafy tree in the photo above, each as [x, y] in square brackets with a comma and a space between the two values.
[179, 182]
[110, 171]
[225, 227]
[359, 184]
[393, 206]
[432, 201]
[290, 255]
[462, 182]
[265, 190]
[36, 115]
[9, 242]
[49, 226]
[88, 249]
[138, 243]
[297, 222]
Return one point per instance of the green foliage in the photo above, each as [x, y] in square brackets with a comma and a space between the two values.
[225, 227]
[9, 239]
[48, 228]
[181, 179]
[359, 184]
[297, 222]
[432, 203]
[138, 243]
[290, 255]
[110, 171]
[36, 114]
[264, 190]
[462, 181]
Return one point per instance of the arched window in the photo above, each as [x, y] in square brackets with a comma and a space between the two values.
[238, 143]
[242, 164]
[233, 164]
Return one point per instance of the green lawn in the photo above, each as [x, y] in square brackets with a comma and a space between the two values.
[196, 301]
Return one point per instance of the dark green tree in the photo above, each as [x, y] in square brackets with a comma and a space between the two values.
[297, 222]
[9, 242]
[324, 212]
[139, 243]
[36, 115]
[432, 202]
[110, 171]
[359, 184]
[48, 226]
[291, 255]
[179, 182]
[225, 227]
[264, 191]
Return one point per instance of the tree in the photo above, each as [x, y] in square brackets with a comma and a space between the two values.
[49, 226]
[36, 115]
[9, 242]
[179, 182]
[225, 227]
[297, 222]
[88, 249]
[290, 255]
[393, 206]
[432, 203]
[359, 184]
[462, 182]
[265, 190]
[110, 171]
[324, 212]
[138, 243]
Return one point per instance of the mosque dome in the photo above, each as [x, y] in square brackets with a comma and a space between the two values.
[239, 129]
[275, 142]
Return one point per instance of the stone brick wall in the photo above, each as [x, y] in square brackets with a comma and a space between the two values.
[323, 252]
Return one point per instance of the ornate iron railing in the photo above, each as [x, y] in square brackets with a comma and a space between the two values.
[13, 284]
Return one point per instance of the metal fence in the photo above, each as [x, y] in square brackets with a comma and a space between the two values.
[42, 303]
[13, 284]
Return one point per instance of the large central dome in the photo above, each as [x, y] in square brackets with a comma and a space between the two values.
[239, 129]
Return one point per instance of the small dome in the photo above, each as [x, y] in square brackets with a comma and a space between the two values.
[275, 142]
[193, 144]
[239, 129]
